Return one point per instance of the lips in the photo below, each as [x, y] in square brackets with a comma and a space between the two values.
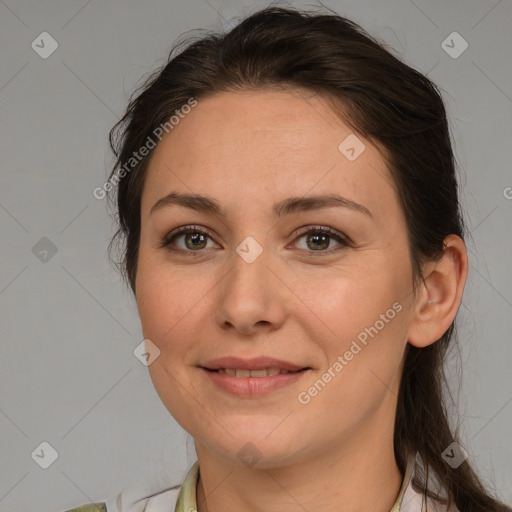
[252, 367]
[241, 373]
[252, 378]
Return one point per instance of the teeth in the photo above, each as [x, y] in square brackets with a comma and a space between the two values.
[266, 372]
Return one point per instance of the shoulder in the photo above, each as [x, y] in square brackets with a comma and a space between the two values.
[90, 507]
[413, 499]
[135, 499]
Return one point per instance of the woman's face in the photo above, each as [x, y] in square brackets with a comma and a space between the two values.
[242, 282]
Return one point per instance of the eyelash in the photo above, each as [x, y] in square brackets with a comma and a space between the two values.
[299, 233]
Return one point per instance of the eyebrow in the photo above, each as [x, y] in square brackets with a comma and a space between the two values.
[288, 206]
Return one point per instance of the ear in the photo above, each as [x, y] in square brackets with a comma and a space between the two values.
[439, 294]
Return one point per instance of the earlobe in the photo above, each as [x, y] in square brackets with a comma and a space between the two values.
[439, 294]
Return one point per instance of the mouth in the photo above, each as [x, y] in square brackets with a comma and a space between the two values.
[253, 383]
[262, 366]
[244, 374]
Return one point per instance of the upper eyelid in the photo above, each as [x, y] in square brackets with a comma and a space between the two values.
[323, 229]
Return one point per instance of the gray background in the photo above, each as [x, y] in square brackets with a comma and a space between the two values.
[68, 325]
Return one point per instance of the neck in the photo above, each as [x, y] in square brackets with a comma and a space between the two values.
[359, 476]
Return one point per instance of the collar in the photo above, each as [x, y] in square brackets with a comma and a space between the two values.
[187, 496]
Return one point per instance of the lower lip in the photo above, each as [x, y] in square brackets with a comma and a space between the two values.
[249, 387]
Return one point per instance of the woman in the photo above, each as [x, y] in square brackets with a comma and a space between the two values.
[287, 197]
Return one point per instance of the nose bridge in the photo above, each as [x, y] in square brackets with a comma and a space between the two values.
[249, 272]
[250, 291]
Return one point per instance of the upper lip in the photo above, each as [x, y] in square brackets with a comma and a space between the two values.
[257, 363]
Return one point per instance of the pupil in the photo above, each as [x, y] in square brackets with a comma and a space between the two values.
[320, 236]
[195, 237]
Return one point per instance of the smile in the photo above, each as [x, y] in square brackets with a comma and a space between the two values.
[242, 373]
[244, 383]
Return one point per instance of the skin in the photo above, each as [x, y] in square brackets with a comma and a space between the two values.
[249, 150]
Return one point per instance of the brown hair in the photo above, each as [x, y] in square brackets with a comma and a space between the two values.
[380, 97]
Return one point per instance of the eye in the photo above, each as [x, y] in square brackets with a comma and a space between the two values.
[319, 238]
[195, 239]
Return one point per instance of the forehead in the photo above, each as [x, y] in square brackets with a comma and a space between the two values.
[264, 144]
[295, 118]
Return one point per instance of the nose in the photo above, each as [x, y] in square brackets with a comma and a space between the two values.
[251, 297]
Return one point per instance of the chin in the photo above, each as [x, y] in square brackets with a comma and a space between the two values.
[254, 447]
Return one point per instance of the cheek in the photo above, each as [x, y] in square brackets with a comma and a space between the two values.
[351, 301]
[159, 290]
[166, 311]
[174, 305]
[162, 299]
[366, 313]
[153, 304]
